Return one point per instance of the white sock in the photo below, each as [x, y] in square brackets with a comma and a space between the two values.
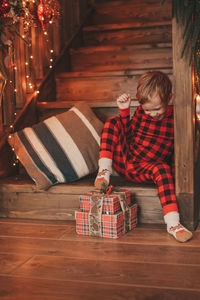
[105, 164]
[172, 219]
[105, 170]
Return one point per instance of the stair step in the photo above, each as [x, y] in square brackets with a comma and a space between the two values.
[126, 11]
[108, 58]
[108, 85]
[21, 200]
[127, 34]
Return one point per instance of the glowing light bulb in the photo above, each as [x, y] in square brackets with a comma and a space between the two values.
[198, 107]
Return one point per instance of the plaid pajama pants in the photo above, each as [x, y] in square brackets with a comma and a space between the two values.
[114, 146]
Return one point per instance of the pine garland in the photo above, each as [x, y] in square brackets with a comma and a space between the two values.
[188, 12]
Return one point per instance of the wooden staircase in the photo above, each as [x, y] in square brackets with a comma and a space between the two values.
[124, 39]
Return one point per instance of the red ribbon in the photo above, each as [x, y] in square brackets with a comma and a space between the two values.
[109, 189]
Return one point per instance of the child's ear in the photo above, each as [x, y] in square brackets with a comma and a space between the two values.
[170, 99]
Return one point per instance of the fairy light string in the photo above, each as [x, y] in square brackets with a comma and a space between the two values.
[39, 14]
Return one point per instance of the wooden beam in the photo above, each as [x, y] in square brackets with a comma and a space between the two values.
[184, 128]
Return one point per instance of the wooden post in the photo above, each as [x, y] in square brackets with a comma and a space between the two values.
[184, 130]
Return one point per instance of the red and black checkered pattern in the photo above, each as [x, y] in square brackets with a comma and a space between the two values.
[111, 203]
[142, 150]
[112, 226]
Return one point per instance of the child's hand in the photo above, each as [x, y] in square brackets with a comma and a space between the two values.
[124, 101]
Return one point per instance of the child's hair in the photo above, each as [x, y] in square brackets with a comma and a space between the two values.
[154, 82]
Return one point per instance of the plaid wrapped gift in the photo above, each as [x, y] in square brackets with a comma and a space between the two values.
[111, 226]
[111, 203]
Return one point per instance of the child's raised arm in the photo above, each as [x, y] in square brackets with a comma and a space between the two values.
[124, 101]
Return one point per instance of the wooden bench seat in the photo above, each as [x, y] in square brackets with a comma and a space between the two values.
[20, 199]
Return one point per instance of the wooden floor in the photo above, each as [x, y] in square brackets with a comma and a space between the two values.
[48, 260]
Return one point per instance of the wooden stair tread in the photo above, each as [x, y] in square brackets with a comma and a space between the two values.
[115, 73]
[128, 34]
[108, 85]
[67, 104]
[24, 184]
[122, 26]
[115, 6]
[74, 86]
[116, 3]
[125, 11]
[116, 48]
[157, 58]
[20, 199]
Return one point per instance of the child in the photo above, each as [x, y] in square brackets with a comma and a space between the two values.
[142, 149]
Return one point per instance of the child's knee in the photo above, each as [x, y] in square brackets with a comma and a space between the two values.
[162, 168]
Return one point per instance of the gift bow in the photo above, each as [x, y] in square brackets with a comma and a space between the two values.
[107, 189]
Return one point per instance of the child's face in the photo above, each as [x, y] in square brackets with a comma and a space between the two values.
[155, 108]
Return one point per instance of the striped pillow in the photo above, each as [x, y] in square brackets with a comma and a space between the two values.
[62, 148]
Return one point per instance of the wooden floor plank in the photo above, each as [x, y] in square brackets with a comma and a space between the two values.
[98, 250]
[32, 230]
[9, 262]
[150, 234]
[146, 274]
[16, 288]
[48, 260]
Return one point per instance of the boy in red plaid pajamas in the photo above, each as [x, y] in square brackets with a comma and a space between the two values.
[142, 148]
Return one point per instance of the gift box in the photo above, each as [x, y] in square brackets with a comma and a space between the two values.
[104, 225]
[111, 203]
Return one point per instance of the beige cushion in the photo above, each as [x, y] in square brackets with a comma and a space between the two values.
[62, 148]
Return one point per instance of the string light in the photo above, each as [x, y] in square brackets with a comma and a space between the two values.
[28, 20]
[198, 106]
[30, 85]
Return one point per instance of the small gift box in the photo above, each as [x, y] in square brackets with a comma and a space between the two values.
[111, 203]
[109, 226]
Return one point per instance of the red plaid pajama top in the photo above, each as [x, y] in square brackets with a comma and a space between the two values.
[142, 150]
